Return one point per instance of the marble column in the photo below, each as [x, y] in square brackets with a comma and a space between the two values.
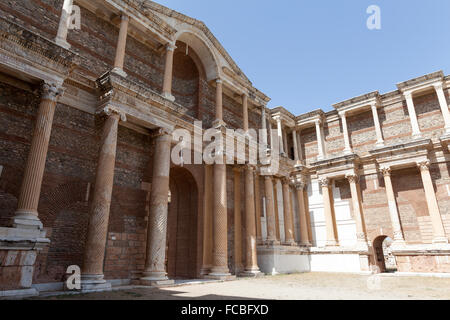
[412, 115]
[258, 208]
[121, 46]
[433, 207]
[299, 145]
[280, 136]
[64, 22]
[220, 232]
[168, 72]
[376, 121]
[444, 106]
[26, 215]
[294, 140]
[355, 191]
[330, 219]
[348, 148]
[288, 217]
[393, 210]
[264, 125]
[207, 221]
[285, 143]
[299, 185]
[320, 142]
[155, 268]
[251, 262]
[276, 207]
[238, 265]
[270, 214]
[245, 111]
[92, 272]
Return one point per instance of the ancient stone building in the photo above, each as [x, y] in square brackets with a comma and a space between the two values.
[86, 177]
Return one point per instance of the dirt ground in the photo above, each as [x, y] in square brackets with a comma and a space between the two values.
[308, 286]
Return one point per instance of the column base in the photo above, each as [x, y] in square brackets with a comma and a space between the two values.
[417, 136]
[156, 282]
[218, 124]
[272, 243]
[290, 243]
[27, 220]
[94, 283]
[332, 243]
[205, 271]
[120, 72]
[440, 240]
[62, 43]
[380, 144]
[168, 96]
[220, 276]
[252, 273]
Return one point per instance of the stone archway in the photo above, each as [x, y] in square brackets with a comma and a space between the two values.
[182, 225]
[383, 258]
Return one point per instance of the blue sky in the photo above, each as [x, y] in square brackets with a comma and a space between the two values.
[309, 54]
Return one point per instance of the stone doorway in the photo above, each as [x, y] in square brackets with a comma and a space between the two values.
[182, 225]
[384, 259]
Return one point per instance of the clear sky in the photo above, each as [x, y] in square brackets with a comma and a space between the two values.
[309, 54]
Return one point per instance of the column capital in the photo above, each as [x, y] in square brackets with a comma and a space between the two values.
[324, 182]
[424, 165]
[352, 177]
[386, 171]
[219, 81]
[51, 91]
[161, 132]
[318, 122]
[342, 113]
[238, 168]
[124, 17]
[170, 47]
[285, 180]
[299, 182]
[408, 94]
[438, 86]
[110, 111]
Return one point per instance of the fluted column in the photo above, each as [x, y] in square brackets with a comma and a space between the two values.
[168, 72]
[412, 115]
[64, 21]
[330, 219]
[393, 210]
[26, 215]
[207, 221]
[155, 267]
[299, 185]
[220, 245]
[433, 207]
[251, 262]
[258, 208]
[271, 232]
[355, 191]
[348, 148]
[288, 217]
[376, 120]
[238, 265]
[121, 45]
[444, 106]
[100, 208]
[320, 142]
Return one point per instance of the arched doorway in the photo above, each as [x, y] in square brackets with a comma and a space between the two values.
[182, 227]
[384, 259]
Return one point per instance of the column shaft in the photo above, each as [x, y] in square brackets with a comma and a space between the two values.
[330, 219]
[26, 215]
[444, 106]
[64, 21]
[219, 110]
[264, 125]
[245, 111]
[270, 219]
[412, 116]
[258, 208]
[220, 245]
[376, 120]
[168, 73]
[207, 221]
[393, 210]
[155, 267]
[288, 218]
[357, 208]
[304, 238]
[348, 148]
[280, 136]
[320, 143]
[276, 211]
[238, 265]
[294, 139]
[99, 211]
[121, 44]
[251, 262]
[433, 207]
